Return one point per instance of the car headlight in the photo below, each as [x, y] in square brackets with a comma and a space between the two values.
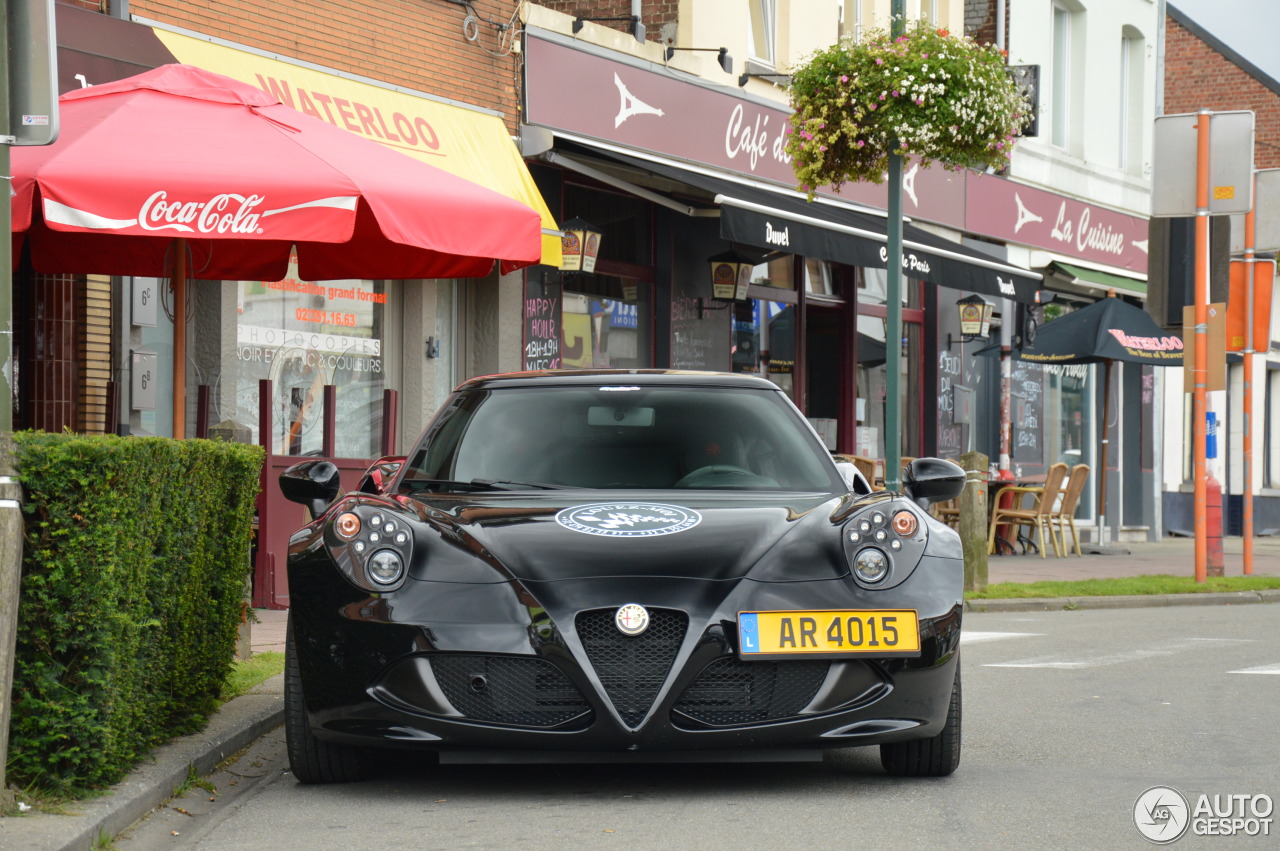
[371, 543]
[385, 567]
[871, 564]
[884, 543]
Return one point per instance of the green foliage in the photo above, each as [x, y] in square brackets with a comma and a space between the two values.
[134, 567]
[926, 94]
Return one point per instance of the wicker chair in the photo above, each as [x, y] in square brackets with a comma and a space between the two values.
[866, 466]
[1038, 515]
[948, 511]
[1065, 516]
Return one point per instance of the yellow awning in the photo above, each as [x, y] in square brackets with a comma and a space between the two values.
[465, 142]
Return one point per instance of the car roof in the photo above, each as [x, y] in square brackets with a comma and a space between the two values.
[606, 377]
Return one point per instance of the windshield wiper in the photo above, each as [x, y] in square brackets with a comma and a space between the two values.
[506, 485]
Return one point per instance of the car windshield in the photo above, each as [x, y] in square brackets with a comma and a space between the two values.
[629, 437]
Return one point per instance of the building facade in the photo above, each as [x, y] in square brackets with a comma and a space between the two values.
[691, 145]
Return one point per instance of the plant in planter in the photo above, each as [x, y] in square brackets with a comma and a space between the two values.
[925, 94]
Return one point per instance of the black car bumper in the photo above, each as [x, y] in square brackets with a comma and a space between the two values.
[539, 667]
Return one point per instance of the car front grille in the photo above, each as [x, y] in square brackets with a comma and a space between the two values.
[632, 669]
[729, 691]
[512, 690]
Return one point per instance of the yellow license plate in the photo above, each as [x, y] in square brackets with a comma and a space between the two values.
[888, 632]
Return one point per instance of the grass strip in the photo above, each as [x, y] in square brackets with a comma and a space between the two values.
[1125, 586]
[248, 673]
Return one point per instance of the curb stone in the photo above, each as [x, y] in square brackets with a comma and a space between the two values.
[1050, 604]
[235, 726]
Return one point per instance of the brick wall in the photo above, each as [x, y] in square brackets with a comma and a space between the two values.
[653, 13]
[419, 44]
[980, 20]
[1198, 77]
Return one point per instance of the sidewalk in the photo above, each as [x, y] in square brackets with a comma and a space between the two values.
[244, 719]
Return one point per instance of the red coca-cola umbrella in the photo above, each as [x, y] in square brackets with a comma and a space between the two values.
[182, 153]
[182, 173]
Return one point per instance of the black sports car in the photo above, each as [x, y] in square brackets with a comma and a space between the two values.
[622, 566]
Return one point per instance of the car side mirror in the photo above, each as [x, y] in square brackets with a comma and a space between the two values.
[930, 480]
[853, 478]
[315, 484]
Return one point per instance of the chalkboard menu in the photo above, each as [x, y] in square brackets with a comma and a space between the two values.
[951, 424]
[542, 327]
[1026, 397]
[693, 339]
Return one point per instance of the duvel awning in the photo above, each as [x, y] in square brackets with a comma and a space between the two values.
[758, 215]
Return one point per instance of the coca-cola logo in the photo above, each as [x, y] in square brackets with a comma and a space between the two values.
[225, 213]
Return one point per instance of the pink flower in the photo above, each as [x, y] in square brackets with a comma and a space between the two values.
[873, 107]
[861, 143]
[879, 61]
[844, 78]
[895, 92]
[919, 101]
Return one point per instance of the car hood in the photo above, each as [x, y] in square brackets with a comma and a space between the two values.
[562, 536]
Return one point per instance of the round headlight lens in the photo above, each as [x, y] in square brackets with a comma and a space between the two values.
[905, 523]
[347, 525]
[871, 564]
[385, 567]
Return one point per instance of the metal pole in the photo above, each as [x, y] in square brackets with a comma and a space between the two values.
[1250, 237]
[893, 299]
[1200, 372]
[11, 525]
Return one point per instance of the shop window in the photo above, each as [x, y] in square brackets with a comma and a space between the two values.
[776, 271]
[872, 378]
[818, 278]
[764, 341]
[588, 322]
[301, 335]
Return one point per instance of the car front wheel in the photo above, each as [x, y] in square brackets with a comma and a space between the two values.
[933, 757]
[311, 760]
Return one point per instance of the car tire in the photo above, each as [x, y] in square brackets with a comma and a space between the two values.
[311, 760]
[937, 756]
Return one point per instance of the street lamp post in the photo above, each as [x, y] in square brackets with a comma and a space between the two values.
[893, 299]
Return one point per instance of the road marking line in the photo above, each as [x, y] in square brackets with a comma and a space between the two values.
[1261, 669]
[1135, 655]
[968, 636]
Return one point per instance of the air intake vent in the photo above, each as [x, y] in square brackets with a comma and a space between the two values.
[731, 692]
[514, 690]
[632, 668]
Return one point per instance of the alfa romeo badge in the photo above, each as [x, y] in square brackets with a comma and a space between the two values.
[631, 619]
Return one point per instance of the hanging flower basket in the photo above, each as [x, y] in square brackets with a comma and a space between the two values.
[925, 94]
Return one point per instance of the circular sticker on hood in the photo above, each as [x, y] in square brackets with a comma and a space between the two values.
[628, 519]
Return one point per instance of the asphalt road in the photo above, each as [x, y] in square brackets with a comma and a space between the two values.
[1069, 718]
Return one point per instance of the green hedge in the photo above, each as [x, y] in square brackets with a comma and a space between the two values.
[134, 568]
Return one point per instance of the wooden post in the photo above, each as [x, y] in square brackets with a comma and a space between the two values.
[974, 517]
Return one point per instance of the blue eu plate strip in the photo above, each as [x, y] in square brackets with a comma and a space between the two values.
[749, 632]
